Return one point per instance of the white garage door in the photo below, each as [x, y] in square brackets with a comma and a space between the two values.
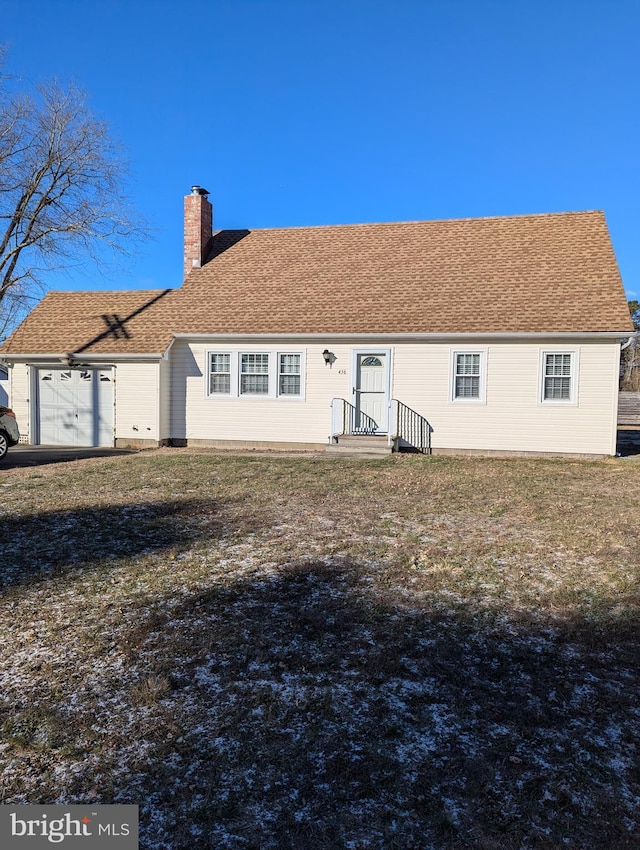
[75, 407]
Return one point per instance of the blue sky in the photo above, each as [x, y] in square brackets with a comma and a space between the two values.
[296, 112]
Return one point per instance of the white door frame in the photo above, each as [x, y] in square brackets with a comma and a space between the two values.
[373, 350]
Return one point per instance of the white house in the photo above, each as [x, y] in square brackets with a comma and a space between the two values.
[472, 335]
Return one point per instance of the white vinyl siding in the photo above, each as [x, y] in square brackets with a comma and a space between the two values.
[511, 419]
[284, 418]
[164, 400]
[20, 394]
[137, 406]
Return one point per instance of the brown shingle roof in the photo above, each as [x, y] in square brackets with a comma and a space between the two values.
[553, 273]
[92, 322]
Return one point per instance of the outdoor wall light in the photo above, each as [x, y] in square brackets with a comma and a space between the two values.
[329, 357]
[73, 363]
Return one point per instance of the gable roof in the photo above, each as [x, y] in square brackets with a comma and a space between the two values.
[92, 322]
[550, 273]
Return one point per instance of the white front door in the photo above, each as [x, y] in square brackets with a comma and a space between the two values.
[372, 392]
[75, 407]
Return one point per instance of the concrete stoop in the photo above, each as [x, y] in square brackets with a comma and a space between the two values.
[360, 445]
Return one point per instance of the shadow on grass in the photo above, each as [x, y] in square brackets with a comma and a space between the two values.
[35, 546]
[300, 710]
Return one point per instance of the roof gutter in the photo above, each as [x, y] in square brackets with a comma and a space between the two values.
[81, 358]
[409, 337]
[11, 357]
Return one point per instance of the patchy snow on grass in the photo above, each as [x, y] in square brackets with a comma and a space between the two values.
[266, 652]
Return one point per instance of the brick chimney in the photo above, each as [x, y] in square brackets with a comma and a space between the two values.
[198, 228]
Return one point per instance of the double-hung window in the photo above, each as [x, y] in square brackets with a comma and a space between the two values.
[559, 376]
[289, 374]
[468, 376]
[219, 374]
[254, 374]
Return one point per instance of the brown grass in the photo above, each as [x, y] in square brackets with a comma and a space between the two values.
[268, 652]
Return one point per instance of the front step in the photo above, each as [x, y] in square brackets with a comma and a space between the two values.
[360, 444]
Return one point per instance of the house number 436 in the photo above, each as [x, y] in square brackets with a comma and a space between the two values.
[342, 371]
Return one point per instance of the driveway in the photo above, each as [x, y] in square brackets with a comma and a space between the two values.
[21, 456]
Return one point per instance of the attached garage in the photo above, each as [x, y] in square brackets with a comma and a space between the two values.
[75, 407]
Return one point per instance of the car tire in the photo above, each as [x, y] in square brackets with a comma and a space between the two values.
[4, 444]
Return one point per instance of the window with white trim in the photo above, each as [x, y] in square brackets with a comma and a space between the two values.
[468, 376]
[254, 374]
[219, 373]
[559, 376]
[289, 374]
[257, 374]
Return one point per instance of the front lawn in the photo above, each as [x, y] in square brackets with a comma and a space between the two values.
[312, 653]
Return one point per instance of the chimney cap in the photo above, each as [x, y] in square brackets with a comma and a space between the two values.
[198, 190]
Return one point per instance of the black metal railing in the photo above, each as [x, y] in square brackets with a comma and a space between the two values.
[413, 431]
[350, 420]
[357, 422]
[409, 430]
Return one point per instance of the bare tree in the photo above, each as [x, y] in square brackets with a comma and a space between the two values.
[61, 192]
[630, 366]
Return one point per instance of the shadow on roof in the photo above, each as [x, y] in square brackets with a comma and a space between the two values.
[222, 241]
[116, 326]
